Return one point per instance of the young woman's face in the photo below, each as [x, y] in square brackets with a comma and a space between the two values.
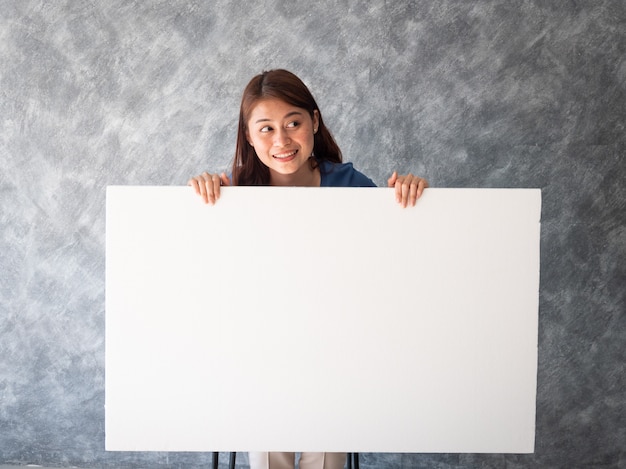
[282, 135]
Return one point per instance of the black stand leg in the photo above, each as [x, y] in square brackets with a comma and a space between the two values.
[353, 460]
[231, 462]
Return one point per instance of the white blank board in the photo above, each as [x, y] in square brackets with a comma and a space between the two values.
[321, 319]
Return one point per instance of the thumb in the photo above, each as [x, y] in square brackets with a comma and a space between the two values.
[225, 179]
[391, 182]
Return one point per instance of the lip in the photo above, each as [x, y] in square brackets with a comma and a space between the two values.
[285, 156]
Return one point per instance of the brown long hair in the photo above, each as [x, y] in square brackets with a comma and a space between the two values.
[248, 170]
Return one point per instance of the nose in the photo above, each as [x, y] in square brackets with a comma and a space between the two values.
[281, 138]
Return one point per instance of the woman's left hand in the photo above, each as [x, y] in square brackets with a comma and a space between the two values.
[409, 188]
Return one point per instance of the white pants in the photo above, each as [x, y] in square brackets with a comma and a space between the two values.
[288, 460]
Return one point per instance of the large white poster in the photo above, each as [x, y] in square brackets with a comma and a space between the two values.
[321, 319]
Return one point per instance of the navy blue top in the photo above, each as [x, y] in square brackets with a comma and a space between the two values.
[342, 175]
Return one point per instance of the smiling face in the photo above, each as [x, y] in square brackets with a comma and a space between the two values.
[282, 137]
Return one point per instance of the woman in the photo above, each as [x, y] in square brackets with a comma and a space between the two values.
[283, 141]
[279, 115]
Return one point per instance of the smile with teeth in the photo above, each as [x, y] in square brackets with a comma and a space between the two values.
[286, 155]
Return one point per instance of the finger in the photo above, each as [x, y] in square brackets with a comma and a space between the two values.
[198, 185]
[391, 182]
[422, 185]
[205, 189]
[215, 188]
[225, 179]
[406, 189]
[416, 186]
[398, 186]
[413, 191]
[194, 183]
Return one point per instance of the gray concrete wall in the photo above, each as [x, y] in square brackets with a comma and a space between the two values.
[468, 94]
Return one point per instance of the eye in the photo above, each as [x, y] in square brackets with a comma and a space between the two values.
[293, 124]
[265, 129]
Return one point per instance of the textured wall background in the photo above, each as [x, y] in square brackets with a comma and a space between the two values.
[469, 94]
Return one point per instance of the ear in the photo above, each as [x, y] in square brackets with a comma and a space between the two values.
[249, 140]
[316, 120]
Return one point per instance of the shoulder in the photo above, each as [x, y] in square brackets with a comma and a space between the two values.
[342, 175]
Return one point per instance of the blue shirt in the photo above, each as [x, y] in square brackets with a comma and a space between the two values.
[342, 175]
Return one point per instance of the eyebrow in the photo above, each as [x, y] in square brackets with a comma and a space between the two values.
[265, 119]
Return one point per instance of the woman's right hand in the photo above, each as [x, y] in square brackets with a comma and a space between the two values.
[208, 185]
